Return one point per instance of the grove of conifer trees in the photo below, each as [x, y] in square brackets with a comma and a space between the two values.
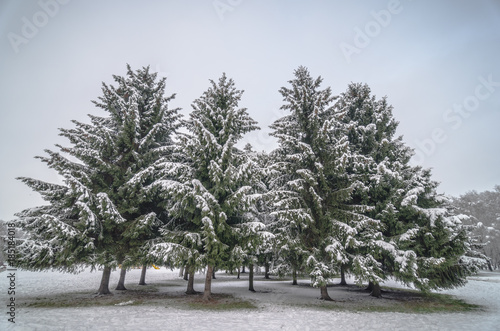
[338, 196]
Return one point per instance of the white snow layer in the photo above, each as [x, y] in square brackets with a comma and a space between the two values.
[273, 312]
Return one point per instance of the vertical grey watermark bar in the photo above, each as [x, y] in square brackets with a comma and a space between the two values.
[11, 272]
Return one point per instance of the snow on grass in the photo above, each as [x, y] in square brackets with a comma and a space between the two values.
[281, 306]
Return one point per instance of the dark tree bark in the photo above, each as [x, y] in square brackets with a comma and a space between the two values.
[238, 273]
[121, 281]
[370, 286]
[142, 281]
[181, 271]
[190, 286]
[324, 294]
[376, 292]
[207, 294]
[342, 275]
[213, 273]
[104, 287]
[266, 273]
[294, 276]
[243, 271]
[186, 272]
[250, 278]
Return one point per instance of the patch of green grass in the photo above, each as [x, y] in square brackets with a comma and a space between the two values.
[358, 300]
[234, 305]
[435, 303]
[221, 302]
[137, 294]
[143, 288]
[404, 301]
[140, 296]
[61, 303]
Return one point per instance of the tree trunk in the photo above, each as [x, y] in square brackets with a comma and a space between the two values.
[181, 271]
[294, 276]
[324, 294]
[376, 291]
[190, 287]
[186, 272]
[142, 281]
[266, 273]
[342, 275]
[104, 287]
[207, 294]
[250, 278]
[243, 271]
[370, 286]
[238, 273]
[121, 281]
[213, 273]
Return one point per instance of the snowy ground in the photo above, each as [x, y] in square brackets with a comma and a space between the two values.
[281, 306]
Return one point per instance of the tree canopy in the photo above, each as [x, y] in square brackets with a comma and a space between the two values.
[101, 215]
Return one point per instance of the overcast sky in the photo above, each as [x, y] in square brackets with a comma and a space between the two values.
[436, 61]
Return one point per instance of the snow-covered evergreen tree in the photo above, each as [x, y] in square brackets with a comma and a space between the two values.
[263, 209]
[289, 253]
[101, 215]
[312, 188]
[211, 182]
[370, 128]
[403, 198]
[430, 228]
[254, 240]
[484, 222]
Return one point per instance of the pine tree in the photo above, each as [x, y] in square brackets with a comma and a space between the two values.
[403, 198]
[370, 128]
[255, 243]
[214, 179]
[290, 255]
[312, 187]
[101, 216]
[434, 233]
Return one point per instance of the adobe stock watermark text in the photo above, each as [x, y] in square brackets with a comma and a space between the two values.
[454, 118]
[31, 25]
[11, 273]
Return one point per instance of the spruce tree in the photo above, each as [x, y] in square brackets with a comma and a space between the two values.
[312, 188]
[259, 240]
[211, 181]
[403, 198]
[427, 225]
[370, 129]
[101, 216]
[290, 255]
